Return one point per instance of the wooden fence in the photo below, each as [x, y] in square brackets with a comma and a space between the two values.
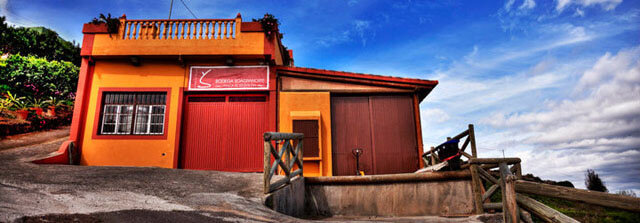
[506, 181]
[430, 157]
[504, 178]
[286, 158]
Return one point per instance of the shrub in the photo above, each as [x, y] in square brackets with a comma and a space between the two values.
[112, 23]
[593, 182]
[38, 78]
[629, 193]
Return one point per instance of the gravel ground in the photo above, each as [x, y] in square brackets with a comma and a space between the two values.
[65, 193]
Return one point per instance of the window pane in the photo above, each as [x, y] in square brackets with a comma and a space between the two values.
[142, 118]
[157, 119]
[109, 119]
[156, 129]
[124, 119]
[158, 109]
[141, 128]
[108, 128]
[143, 109]
[124, 128]
[110, 109]
[126, 109]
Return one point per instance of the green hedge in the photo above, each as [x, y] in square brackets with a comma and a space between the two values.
[37, 77]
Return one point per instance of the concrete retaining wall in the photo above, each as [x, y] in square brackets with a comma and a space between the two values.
[434, 198]
[288, 200]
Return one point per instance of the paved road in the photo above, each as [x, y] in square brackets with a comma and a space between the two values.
[119, 193]
[133, 194]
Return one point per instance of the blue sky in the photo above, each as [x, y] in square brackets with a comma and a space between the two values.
[556, 83]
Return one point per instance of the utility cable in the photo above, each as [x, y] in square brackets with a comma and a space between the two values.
[170, 9]
[185, 5]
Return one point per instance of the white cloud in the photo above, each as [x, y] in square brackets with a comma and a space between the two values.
[609, 67]
[527, 4]
[434, 115]
[598, 128]
[508, 4]
[362, 27]
[330, 40]
[4, 7]
[607, 5]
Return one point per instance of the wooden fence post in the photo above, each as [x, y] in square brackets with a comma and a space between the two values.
[509, 203]
[283, 158]
[267, 165]
[475, 187]
[472, 138]
[433, 156]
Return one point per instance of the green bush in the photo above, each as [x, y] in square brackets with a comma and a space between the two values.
[37, 77]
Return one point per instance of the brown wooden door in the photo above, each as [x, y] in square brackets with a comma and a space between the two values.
[382, 125]
[394, 134]
[350, 129]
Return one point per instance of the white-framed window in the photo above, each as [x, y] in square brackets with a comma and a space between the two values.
[133, 113]
[117, 119]
[149, 119]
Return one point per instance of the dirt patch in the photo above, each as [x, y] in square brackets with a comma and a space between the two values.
[32, 138]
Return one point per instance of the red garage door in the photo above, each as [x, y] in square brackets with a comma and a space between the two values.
[382, 126]
[224, 133]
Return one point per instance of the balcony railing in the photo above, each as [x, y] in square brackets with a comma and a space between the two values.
[179, 29]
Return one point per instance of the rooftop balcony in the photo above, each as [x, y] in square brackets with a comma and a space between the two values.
[184, 37]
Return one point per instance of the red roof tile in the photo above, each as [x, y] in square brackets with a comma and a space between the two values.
[413, 81]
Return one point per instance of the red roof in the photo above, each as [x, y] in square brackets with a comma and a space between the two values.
[430, 83]
[423, 87]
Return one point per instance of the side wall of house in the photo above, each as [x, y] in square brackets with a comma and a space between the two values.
[305, 105]
[133, 150]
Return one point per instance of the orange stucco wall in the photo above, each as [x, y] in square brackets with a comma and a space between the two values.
[133, 152]
[302, 103]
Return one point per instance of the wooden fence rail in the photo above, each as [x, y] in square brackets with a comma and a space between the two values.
[505, 182]
[591, 197]
[430, 157]
[508, 180]
[286, 158]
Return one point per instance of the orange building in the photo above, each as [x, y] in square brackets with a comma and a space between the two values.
[199, 94]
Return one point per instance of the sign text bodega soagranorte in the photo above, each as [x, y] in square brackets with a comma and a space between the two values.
[229, 78]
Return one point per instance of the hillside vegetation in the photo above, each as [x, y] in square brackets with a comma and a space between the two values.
[37, 41]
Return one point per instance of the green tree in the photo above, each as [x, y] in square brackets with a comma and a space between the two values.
[37, 41]
[593, 182]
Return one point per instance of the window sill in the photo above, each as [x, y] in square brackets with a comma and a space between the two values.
[131, 137]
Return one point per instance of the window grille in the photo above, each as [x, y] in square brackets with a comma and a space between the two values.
[137, 113]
